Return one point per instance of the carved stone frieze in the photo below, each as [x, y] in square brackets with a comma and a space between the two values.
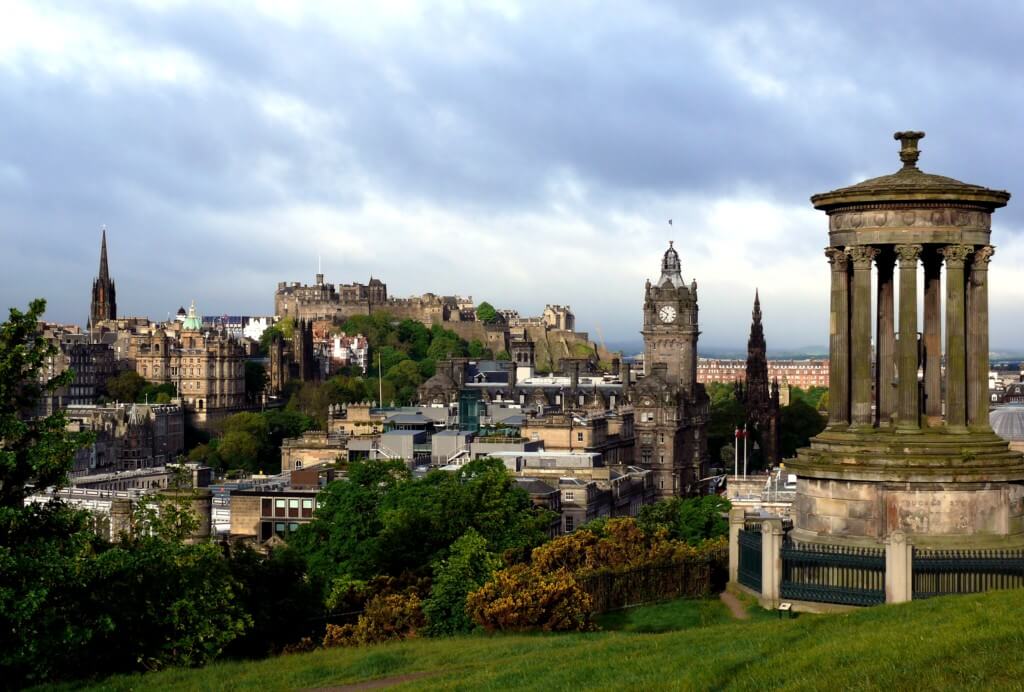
[910, 218]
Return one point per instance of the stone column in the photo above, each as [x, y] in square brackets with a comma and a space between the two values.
[977, 340]
[737, 516]
[885, 349]
[771, 562]
[956, 347]
[907, 414]
[932, 335]
[839, 340]
[899, 562]
[862, 257]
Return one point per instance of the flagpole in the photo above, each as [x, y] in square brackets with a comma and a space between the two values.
[736, 453]
[746, 451]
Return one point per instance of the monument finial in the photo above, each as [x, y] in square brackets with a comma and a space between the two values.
[908, 147]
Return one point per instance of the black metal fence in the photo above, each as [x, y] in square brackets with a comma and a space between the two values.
[941, 572]
[750, 557]
[687, 579]
[833, 574]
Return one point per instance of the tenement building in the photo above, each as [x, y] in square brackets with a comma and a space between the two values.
[901, 452]
[671, 409]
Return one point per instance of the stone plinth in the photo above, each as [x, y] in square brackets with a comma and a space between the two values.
[937, 487]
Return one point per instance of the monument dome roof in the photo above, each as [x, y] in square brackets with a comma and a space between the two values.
[1008, 422]
[910, 184]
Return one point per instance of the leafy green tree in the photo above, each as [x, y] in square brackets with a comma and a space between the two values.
[477, 349]
[502, 355]
[255, 380]
[727, 414]
[692, 520]
[126, 386]
[467, 568]
[798, 423]
[485, 312]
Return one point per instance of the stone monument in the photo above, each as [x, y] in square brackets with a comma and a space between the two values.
[908, 445]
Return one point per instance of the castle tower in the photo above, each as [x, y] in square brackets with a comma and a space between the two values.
[890, 459]
[104, 298]
[670, 407]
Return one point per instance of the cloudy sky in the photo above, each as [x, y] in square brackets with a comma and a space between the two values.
[522, 153]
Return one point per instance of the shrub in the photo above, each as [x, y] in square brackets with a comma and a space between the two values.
[469, 567]
[522, 598]
[386, 618]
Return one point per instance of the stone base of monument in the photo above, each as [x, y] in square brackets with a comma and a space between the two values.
[942, 489]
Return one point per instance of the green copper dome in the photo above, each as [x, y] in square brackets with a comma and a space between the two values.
[192, 323]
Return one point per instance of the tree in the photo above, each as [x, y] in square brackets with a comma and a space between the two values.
[467, 568]
[798, 423]
[477, 349]
[486, 313]
[692, 520]
[125, 386]
[36, 451]
[255, 380]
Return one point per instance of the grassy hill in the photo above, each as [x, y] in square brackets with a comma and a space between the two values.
[961, 642]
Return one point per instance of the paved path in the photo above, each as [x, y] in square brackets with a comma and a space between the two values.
[738, 610]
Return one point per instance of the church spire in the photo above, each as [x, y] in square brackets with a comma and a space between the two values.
[104, 274]
[104, 297]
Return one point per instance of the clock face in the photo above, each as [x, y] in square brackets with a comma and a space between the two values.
[667, 314]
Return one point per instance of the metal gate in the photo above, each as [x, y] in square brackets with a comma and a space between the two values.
[750, 558]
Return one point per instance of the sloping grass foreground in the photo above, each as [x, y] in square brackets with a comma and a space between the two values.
[972, 642]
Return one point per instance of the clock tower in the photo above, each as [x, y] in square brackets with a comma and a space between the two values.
[671, 409]
[670, 323]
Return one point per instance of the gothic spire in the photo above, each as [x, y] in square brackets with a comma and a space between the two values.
[757, 307]
[104, 271]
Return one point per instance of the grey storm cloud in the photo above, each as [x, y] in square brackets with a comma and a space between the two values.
[475, 112]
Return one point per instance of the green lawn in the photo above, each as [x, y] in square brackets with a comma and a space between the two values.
[667, 617]
[972, 642]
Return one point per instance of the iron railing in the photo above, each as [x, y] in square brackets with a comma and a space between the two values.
[687, 579]
[941, 572]
[833, 574]
[750, 558]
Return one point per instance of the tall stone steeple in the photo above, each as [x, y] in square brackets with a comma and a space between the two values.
[104, 298]
[757, 360]
[760, 400]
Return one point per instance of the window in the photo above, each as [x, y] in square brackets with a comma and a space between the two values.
[293, 508]
[307, 508]
[661, 483]
[280, 508]
[569, 524]
[661, 458]
[279, 529]
[267, 508]
[579, 437]
[568, 495]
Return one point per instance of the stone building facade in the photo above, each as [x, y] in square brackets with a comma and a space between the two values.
[207, 368]
[128, 437]
[92, 361]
